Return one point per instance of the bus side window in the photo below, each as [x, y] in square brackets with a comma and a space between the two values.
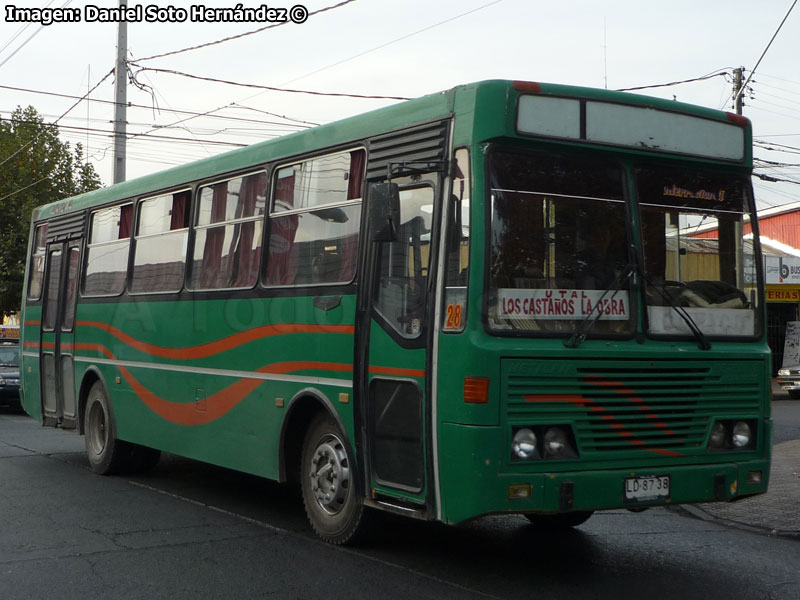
[161, 238]
[229, 226]
[37, 263]
[315, 219]
[458, 234]
[107, 254]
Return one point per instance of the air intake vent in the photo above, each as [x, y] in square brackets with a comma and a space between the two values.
[422, 143]
[66, 228]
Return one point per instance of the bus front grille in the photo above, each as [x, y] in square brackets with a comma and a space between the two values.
[663, 407]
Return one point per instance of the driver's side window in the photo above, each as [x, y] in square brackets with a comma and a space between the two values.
[403, 270]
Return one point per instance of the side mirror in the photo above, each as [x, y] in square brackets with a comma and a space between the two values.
[384, 211]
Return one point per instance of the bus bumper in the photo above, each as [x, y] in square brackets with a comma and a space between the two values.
[480, 486]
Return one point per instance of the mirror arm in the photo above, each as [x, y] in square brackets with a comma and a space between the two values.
[415, 167]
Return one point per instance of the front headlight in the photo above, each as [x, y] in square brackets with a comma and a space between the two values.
[719, 435]
[783, 373]
[524, 444]
[556, 442]
[742, 435]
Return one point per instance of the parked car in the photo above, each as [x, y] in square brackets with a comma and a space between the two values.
[9, 374]
[789, 380]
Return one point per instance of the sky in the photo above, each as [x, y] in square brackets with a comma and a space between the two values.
[402, 48]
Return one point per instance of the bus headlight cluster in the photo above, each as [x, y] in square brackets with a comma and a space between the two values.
[735, 435]
[543, 442]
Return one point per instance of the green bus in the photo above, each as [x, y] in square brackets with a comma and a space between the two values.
[488, 300]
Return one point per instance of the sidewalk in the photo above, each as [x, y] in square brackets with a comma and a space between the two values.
[776, 512]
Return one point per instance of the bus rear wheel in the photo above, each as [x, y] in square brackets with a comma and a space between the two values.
[106, 453]
[560, 521]
[328, 481]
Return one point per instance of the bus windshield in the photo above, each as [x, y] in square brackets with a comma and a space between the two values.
[698, 251]
[559, 245]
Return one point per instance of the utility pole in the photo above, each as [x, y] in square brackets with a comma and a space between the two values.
[120, 100]
[738, 92]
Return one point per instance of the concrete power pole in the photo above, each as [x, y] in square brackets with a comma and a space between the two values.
[738, 92]
[121, 101]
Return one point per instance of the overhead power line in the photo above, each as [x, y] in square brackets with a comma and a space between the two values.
[774, 35]
[33, 35]
[64, 114]
[265, 87]
[671, 83]
[774, 179]
[241, 35]
[135, 135]
[400, 39]
[173, 110]
[776, 147]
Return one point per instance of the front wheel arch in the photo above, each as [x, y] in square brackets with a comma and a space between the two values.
[302, 409]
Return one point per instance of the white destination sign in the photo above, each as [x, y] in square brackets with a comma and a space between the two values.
[562, 304]
[711, 321]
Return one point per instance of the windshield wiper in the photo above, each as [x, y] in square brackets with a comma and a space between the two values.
[702, 342]
[577, 338]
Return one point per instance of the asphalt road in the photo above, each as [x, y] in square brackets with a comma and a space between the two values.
[189, 530]
[786, 419]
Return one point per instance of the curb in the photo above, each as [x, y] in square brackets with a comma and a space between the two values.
[696, 512]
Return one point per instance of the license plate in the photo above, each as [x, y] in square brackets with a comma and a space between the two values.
[647, 488]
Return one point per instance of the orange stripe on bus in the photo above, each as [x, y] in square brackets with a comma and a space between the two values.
[623, 390]
[222, 402]
[32, 323]
[397, 371]
[585, 402]
[666, 452]
[218, 346]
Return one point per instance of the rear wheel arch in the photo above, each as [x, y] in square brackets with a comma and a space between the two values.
[90, 377]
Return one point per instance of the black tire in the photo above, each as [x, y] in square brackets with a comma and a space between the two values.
[794, 394]
[107, 455]
[328, 481]
[561, 520]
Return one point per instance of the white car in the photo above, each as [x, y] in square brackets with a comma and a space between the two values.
[789, 379]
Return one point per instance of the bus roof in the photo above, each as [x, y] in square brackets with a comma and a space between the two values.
[352, 129]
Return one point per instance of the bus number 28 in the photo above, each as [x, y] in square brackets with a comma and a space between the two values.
[454, 312]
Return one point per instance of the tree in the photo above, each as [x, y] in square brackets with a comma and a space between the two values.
[35, 168]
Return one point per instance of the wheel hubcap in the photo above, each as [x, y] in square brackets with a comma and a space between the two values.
[330, 474]
[97, 429]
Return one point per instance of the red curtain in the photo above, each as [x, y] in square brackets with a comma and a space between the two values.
[349, 250]
[212, 249]
[282, 261]
[349, 245]
[248, 256]
[284, 193]
[179, 218]
[355, 182]
[125, 221]
[282, 258]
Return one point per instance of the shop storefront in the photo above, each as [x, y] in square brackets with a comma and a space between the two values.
[783, 301]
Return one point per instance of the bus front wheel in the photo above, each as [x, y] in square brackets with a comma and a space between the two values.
[105, 452]
[327, 476]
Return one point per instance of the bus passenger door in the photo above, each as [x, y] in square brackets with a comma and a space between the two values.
[59, 405]
[394, 337]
